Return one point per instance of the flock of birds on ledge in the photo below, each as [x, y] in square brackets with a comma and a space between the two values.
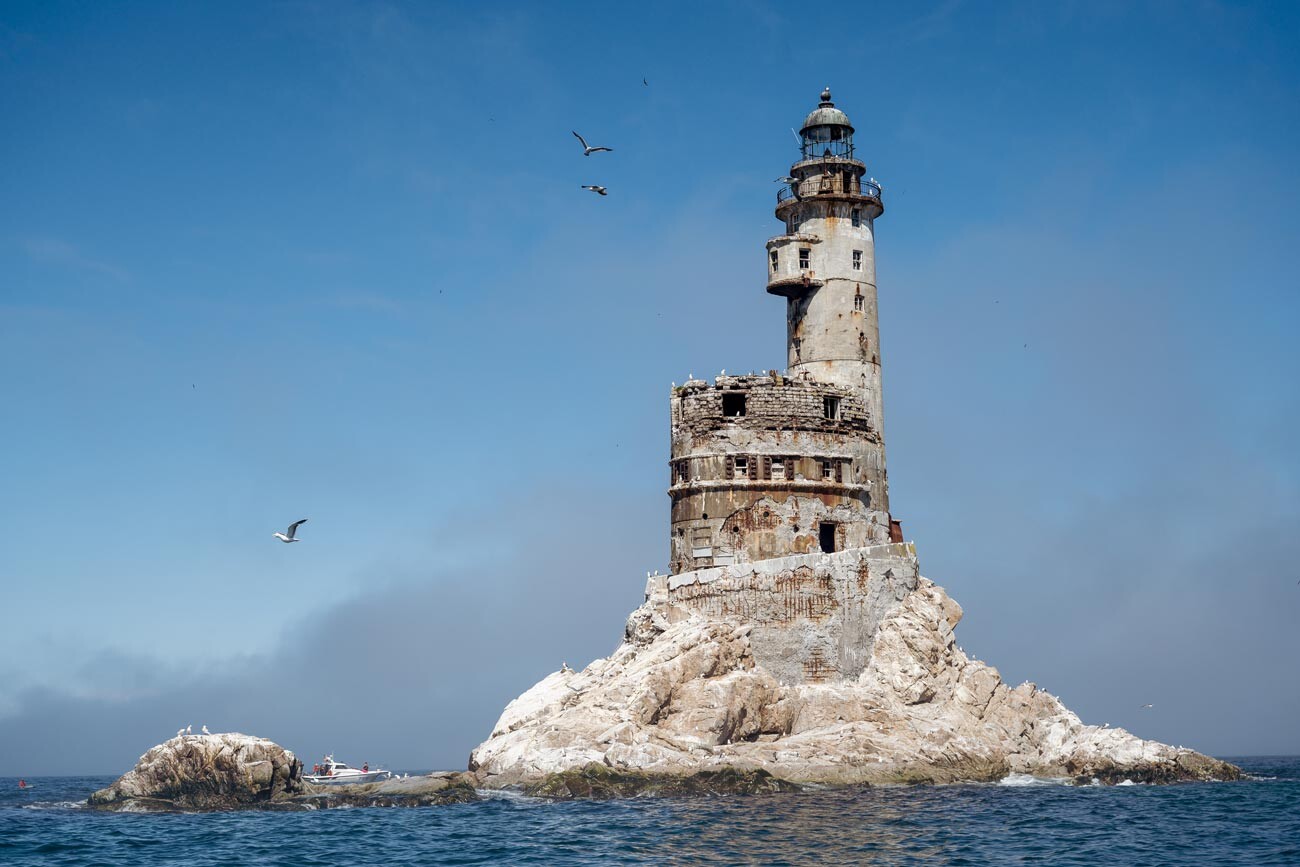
[189, 730]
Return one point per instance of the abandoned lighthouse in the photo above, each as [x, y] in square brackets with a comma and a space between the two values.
[795, 633]
[773, 465]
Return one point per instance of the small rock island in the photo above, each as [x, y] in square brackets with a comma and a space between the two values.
[232, 771]
[795, 635]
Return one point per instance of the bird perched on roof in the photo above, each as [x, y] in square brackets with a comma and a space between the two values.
[595, 189]
[588, 150]
[180, 732]
[204, 729]
[289, 535]
[189, 730]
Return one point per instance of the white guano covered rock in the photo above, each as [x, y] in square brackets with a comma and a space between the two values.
[205, 772]
[685, 692]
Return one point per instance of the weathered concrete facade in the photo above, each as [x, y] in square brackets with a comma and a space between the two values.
[773, 465]
[814, 617]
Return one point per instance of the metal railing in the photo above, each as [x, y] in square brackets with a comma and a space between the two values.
[812, 187]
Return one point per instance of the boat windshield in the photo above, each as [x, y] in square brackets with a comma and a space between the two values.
[339, 766]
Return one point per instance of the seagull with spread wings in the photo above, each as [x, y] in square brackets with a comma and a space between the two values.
[595, 189]
[289, 535]
[588, 150]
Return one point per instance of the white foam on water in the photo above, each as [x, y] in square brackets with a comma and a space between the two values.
[134, 807]
[509, 795]
[1031, 780]
[1126, 782]
[56, 805]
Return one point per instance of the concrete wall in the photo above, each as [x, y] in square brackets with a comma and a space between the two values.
[814, 616]
[760, 485]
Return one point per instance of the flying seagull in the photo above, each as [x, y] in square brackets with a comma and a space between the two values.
[205, 730]
[595, 189]
[289, 536]
[786, 180]
[1145, 706]
[588, 150]
[646, 83]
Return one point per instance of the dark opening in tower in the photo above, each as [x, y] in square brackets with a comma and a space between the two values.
[826, 537]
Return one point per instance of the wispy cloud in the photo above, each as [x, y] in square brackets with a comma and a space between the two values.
[56, 251]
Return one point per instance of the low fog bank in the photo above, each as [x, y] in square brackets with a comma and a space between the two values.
[409, 673]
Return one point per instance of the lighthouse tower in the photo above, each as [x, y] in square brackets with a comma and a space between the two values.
[825, 263]
[775, 464]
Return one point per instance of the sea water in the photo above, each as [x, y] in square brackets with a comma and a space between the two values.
[1018, 821]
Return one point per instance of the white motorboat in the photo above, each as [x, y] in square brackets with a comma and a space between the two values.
[332, 773]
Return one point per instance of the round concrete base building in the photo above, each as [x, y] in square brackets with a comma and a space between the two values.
[775, 464]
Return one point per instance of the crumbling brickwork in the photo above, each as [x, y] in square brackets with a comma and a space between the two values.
[770, 465]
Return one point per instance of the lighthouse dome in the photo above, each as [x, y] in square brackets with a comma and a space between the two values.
[826, 114]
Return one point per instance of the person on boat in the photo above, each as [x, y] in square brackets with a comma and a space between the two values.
[365, 768]
[22, 784]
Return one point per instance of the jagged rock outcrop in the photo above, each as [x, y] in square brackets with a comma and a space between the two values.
[205, 772]
[426, 790]
[597, 782]
[687, 692]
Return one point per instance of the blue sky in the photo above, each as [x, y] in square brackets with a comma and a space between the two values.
[261, 262]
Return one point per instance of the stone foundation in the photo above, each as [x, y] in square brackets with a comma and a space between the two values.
[814, 616]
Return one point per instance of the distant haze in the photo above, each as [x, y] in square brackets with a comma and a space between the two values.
[266, 263]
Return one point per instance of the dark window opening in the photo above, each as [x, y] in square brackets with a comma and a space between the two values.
[857, 303]
[741, 468]
[831, 407]
[857, 260]
[826, 537]
[774, 259]
[828, 469]
[857, 216]
[733, 405]
[805, 256]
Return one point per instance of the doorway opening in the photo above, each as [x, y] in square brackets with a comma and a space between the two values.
[826, 537]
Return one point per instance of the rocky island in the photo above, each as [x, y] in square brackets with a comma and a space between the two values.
[689, 692]
[795, 635]
[232, 771]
